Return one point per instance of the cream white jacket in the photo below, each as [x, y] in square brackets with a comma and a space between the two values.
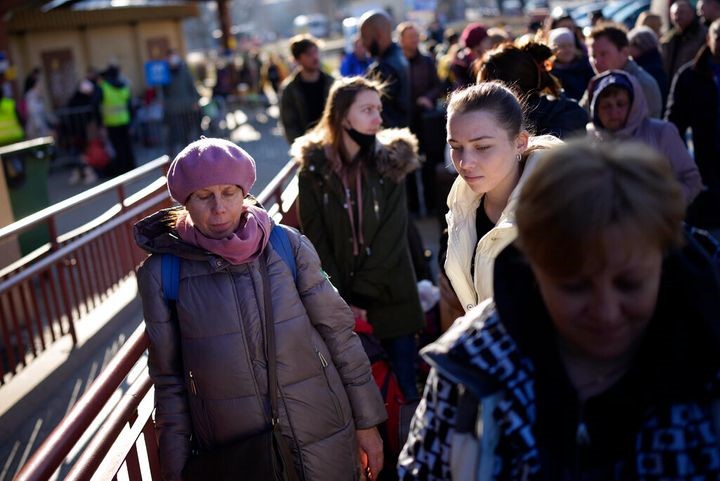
[462, 236]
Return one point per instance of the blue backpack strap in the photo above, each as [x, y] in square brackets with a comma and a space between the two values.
[281, 243]
[170, 270]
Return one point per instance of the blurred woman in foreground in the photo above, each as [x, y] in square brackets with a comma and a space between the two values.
[598, 357]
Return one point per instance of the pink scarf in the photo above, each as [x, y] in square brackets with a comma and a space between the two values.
[244, 245]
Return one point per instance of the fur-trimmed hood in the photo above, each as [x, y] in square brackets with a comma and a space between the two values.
[396, 153]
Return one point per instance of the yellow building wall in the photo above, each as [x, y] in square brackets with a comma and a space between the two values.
[116, 44]
[151, 30]
[32, 45]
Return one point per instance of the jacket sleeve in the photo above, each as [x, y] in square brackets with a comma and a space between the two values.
[426, 454]
[332, 318]
[678, 104]
[435, 87]
[289, 115]
[653, 97]
[312, 224]
[172, 417]
[681, 162]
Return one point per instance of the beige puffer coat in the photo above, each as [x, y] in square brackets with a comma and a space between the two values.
[210, 374]
[465, 248]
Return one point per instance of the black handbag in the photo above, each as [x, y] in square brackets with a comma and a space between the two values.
[264, 456]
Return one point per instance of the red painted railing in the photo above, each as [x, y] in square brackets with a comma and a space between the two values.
[126, 440]
[43, 294]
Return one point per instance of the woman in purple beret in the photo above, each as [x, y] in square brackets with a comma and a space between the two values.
[209, 347]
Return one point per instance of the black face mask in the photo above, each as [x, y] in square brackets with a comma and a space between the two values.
[365, 141]
[374, 48]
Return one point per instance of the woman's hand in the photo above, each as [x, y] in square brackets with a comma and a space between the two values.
[370, 451]
[359, 313]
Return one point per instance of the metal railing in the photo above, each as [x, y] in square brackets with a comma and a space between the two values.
[43, 294]
[126, 440]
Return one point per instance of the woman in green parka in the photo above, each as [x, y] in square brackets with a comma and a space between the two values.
[352, 207]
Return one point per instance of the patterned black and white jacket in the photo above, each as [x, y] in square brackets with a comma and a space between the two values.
[498, 404]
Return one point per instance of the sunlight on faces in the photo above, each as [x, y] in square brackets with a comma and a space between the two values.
[564, 50]
[604, 55]
[603, 310]
[216, 210]
[613, 109]
[309, 59]
[365, 113]
[409, 40]
[482, 151]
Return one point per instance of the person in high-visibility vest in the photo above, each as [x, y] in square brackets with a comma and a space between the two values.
[11, 129]
[115, 109]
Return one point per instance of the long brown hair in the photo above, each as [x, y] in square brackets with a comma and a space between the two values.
[330, 128]
[521, 68]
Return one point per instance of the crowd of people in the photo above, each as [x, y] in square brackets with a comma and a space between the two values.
[580, 302]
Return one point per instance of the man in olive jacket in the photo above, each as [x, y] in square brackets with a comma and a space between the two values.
[304, 92]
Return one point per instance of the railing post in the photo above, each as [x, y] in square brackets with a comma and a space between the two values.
[52, 228]
[121, 195]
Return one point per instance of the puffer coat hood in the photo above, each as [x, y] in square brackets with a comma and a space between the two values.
[658, 134]
[638, 108]
[396, 152]
[208, 363]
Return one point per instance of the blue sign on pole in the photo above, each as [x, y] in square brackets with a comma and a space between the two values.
[157, 72]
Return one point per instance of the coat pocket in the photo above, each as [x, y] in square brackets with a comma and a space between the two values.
[333, 395]
[202, 431]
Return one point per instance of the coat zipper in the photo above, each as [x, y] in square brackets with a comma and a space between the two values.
[582, 441]
[193, 387]
[376, 205]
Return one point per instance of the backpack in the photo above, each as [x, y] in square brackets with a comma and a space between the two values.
[395, 430]
[170, 263]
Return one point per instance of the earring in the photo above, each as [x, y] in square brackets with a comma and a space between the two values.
[518, 157]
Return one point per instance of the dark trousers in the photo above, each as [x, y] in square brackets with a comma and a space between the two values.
[402, 352]
[124, 160]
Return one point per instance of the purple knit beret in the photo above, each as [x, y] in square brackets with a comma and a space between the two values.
[207, 162]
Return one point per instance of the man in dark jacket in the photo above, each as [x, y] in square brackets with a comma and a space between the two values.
[694, 102]
[390, 66]
[425, 121]
[304, 92]
[683, 41]
[181, 109]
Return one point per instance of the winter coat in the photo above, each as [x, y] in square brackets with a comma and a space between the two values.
[209, 365]
[689, 107]
[294, 114]
[181, 96]
[678, 48]
[37, 120]
[499, 406]
[660, 135]
[574, 76]
[560, 116]
[652, 62]
[393, 68]
[649, 86]
[380, 279]
[463, 245]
